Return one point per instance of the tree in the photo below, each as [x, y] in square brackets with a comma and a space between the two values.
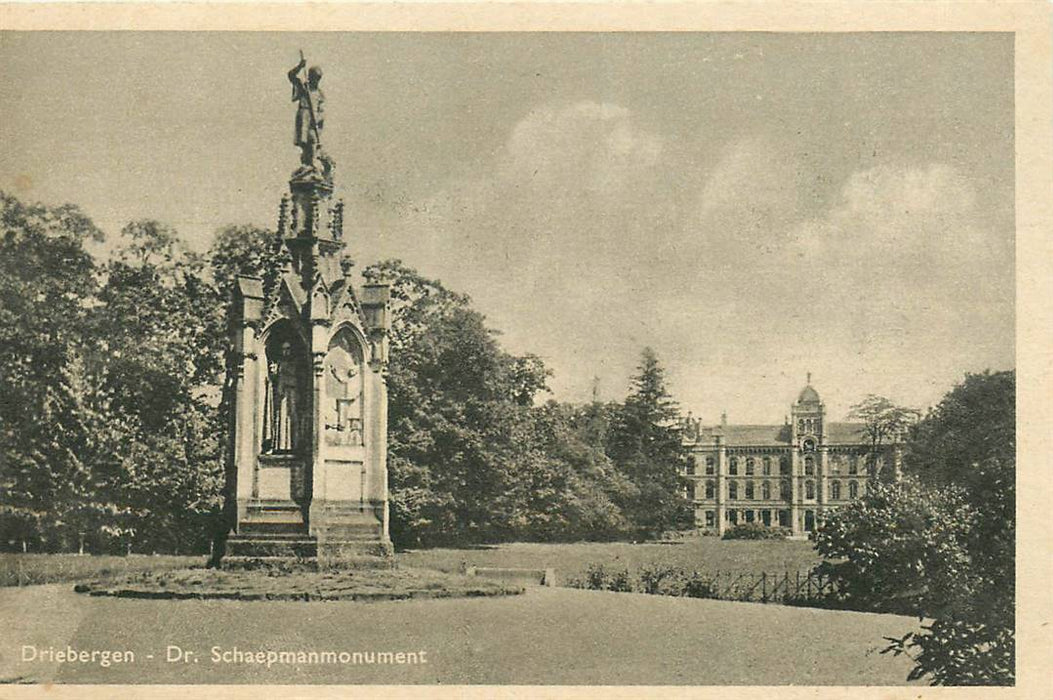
[159, 357]
[244, 250]
[47, 285]
[456, 407]
[645, 444]
[976, 421]
[940, 543]
[884, 422]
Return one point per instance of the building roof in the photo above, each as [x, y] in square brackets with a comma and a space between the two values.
[779, 435]
[752, 435]
[808, 395]
[846, 433]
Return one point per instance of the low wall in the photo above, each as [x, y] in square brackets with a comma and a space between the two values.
[537, 577]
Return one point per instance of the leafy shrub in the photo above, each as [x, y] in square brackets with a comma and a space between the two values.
[655, 579]
[755, 531]
[697, 585]
[598, 578]
[620, 581]
[661, 579]
[927, 551]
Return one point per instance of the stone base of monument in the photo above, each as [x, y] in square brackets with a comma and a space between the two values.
[338, 535]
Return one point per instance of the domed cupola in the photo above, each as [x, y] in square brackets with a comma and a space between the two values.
[808, 395]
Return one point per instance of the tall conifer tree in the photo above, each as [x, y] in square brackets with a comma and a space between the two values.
[645, 444]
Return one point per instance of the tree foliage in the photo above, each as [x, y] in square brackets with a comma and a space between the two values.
[114, 378]
[645, 442]
[883, 420]
[974, 422]
[47, 282]
[471, 457]
[940, 542]
[107, 436]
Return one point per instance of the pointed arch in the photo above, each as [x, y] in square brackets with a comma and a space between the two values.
[286, 378]
[344, 370]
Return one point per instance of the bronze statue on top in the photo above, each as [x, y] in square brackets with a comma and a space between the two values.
[310, 117]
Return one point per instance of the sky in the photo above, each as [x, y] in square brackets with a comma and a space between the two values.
[753, 206]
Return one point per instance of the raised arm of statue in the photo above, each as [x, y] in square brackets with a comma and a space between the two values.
[294, 77]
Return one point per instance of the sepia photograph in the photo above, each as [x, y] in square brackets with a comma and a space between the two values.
[510, 358]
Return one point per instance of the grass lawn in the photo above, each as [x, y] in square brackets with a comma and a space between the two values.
[545, 636]
[32, 569]
[708, 554]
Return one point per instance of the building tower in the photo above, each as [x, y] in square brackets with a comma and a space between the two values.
[307, 472]
[808, 437]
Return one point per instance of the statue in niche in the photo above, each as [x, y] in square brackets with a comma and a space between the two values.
[281, 402]
[344, 391]
[310, 117]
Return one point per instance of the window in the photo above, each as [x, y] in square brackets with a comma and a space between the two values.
[853, 466]
[835, 490]
[767, 466]
[733, 466]
[766, 517]
[809, 466]
[784, 518]
[800, 425]
[784, 466]
[689, 492]
[710, 465]
[733, 516]
[749, 516]
[711, 489]
[785, 490]
[809, 520]
[733, 490]
[853, 489]
[809, 489]
[749, 466]
[710, 519]
[690, 465]
[749, 490]
[765, 490]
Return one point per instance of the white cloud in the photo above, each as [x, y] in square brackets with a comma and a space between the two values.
[587, 237]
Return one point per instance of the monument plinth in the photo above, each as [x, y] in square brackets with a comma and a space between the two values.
[307, 465]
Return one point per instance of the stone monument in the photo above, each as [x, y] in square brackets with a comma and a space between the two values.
[307, 471]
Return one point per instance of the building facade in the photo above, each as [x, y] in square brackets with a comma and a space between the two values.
[780, 475]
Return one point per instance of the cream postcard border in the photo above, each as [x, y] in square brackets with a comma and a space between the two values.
[1029, 21]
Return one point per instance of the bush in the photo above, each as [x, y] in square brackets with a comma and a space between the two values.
[698, 585]
[755, 531]
[655, 579]
[598, 578]
[661, 579]
[906, 547]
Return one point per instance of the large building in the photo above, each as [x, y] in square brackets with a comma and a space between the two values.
[780, 475]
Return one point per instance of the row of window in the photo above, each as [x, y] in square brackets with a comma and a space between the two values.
[768, 517]
[749, 490]
[766, 466]
[808, 426]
